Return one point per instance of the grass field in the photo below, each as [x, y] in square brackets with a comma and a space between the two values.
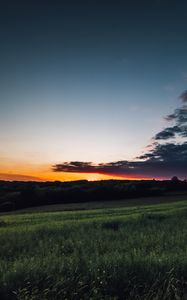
[168, 198]
[110, 253]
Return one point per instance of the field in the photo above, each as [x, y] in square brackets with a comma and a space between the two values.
[135, 252]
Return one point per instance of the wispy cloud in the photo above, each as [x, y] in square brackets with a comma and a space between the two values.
[180, 127]
[169, 88]
[183, 96]
[18, 177]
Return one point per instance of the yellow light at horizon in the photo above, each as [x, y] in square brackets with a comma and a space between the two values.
[43, 172]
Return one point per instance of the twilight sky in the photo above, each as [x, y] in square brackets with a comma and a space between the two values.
[86, 86]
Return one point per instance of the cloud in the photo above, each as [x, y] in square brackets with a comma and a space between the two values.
[88, 167]
[162, 159]
[168, 152]
[170, 117]
[183, 96]
[179, 115]
[169, 88]
[74, 166]
[180, 127]
[168, 133]
[161, 162]
[178, 130]
[18, 177]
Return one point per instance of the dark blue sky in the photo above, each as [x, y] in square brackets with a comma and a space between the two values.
[88, 80]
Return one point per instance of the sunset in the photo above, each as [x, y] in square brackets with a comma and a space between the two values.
[93, 150]
[90, 83]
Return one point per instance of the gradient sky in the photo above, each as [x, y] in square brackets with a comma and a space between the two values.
[86, 81]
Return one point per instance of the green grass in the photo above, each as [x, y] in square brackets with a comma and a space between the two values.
[112, 253]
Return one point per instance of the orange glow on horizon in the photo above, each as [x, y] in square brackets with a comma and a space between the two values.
[52, 176]
[31, 172]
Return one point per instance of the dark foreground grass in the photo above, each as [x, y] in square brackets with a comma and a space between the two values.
[127, 253]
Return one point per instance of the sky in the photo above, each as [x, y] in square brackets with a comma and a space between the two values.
[93, 89]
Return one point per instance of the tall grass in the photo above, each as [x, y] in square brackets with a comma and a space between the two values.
[127, 253]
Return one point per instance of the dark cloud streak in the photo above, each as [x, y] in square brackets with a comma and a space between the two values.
[168, 133]
[163, 160]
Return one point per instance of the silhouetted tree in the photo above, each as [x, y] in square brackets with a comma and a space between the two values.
[175, 179]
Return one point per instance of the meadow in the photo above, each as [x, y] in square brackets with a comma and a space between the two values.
[136, 252]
